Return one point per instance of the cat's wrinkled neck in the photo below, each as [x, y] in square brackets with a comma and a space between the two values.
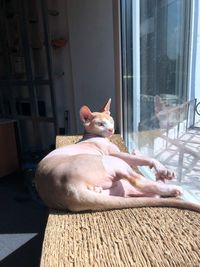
[90, 135]
[87, 136]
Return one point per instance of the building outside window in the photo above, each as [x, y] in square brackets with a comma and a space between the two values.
[159, 72]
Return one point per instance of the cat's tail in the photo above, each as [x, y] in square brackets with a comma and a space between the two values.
[90, 200]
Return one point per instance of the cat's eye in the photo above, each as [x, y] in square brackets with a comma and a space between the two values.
[98, 123]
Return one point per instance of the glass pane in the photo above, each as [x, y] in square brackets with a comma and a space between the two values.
[36, 40]
[14, 50]
[164, 34]
[161, 96]
[163, 61]
[29, 136]
[48, 141]
[44, 101]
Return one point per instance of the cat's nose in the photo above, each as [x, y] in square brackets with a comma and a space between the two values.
[110, 130]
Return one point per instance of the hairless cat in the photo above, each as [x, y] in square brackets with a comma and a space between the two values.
[94, 175]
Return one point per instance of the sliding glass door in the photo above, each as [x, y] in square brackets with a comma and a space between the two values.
[164, 56]
[155, 57]
[156, 45]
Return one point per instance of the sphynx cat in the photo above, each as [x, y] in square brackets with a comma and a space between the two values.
[94, 175]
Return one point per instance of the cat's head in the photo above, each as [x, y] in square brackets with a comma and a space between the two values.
[98, 123]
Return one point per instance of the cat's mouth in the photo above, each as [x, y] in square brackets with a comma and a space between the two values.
[109, 133]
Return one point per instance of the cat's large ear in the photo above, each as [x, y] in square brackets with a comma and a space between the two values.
[85, 114]
[106, 107]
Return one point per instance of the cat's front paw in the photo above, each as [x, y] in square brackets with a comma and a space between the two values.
[162, 173]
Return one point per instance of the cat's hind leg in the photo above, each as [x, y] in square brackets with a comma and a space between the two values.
[119, 169]
[97, 189]
[123, 188]
[154, 187]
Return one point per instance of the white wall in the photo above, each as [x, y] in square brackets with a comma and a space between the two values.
[83, 69]
[92, 53]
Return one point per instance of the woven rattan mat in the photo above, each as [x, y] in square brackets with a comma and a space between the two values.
[130, 237]
[63, 140]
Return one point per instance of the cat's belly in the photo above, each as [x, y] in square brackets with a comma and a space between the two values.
[84, 168]
[116, 167]
[84, 171]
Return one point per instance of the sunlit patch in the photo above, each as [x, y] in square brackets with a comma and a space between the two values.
[12, 242]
